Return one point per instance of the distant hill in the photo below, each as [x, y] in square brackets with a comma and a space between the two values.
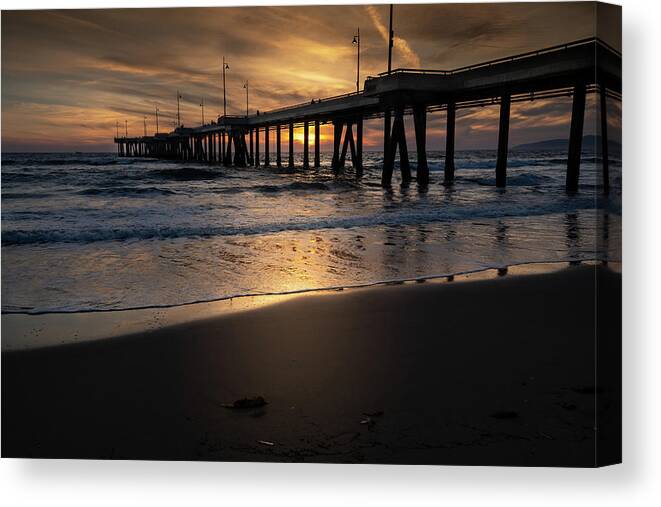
[562, 144]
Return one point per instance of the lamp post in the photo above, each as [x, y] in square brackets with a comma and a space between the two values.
[126, 128]
[144, 125]
[391, 35]
[202, 106]
[117, 129]
[356, 41]
[179, 96]
[225, 67]
[157, 119]
[246, 86]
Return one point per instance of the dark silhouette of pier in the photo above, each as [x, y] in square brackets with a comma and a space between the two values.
[574, 69]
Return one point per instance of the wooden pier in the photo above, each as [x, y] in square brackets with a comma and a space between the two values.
[574, 69]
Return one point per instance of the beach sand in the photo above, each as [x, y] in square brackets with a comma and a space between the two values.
[492, 372]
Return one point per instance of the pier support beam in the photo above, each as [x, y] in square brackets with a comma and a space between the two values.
[267, 161]
[228, 155]
[604, 138]
[337, 139]
[278, 153]
[388, 164]
[290, 142]
[449, 143]
[348, 142]
[358, 163]
[575, 138]
[316, 144]
[420, 124]
[257, 147]
[306, 145]
[503, 140]
[396, 139]
[252, 160]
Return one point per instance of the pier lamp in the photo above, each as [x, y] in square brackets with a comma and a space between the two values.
[157, 119]
[226, 66]
[126, 128]
[356, 41]
[202, 106]
[179, 97]
[246, 87]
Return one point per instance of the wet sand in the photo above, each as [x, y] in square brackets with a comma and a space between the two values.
[493, 372]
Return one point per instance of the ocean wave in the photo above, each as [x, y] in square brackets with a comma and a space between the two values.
[397, 218]
[187, 173]
[126, 191]
[26, 195]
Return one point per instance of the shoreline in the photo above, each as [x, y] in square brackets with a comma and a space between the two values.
[27, 331]
[498, 371]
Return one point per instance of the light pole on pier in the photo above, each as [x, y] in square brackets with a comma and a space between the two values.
[117, 129]
[225, 67]
[157, 119]
[179, 96]
[246, 87]
[391, 36]
[144, 124]
[202, 106]
[356, 40]
[126, 128]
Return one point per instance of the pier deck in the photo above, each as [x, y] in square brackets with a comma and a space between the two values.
[574, 69]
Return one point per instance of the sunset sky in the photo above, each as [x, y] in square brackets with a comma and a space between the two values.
[69, 76]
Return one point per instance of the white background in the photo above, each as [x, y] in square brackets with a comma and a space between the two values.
[636, 482]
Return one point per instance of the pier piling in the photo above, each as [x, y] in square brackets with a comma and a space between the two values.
[503, 140]
[575, 138]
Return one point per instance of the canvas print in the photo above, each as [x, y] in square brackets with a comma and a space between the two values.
[383, 234]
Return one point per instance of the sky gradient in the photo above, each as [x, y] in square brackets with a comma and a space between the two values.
[69, 76]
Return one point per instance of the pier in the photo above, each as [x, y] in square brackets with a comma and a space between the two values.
[574, 69]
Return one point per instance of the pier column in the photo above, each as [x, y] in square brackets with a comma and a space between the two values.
[252, 160]
[348, 141]
[316, 144]
[404, 166]
[278, 157]
[257, 147]
[337, 138]
[449, 143]
[291, 144]
[503, 140]
[420, 124]
[267, 161]
[306, 145]
[604, 138]
[388, 163]
[228, 158]
[359, 147]
[222, 156]
[575, 138]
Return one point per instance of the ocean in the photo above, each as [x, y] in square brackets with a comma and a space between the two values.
[90, 232]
